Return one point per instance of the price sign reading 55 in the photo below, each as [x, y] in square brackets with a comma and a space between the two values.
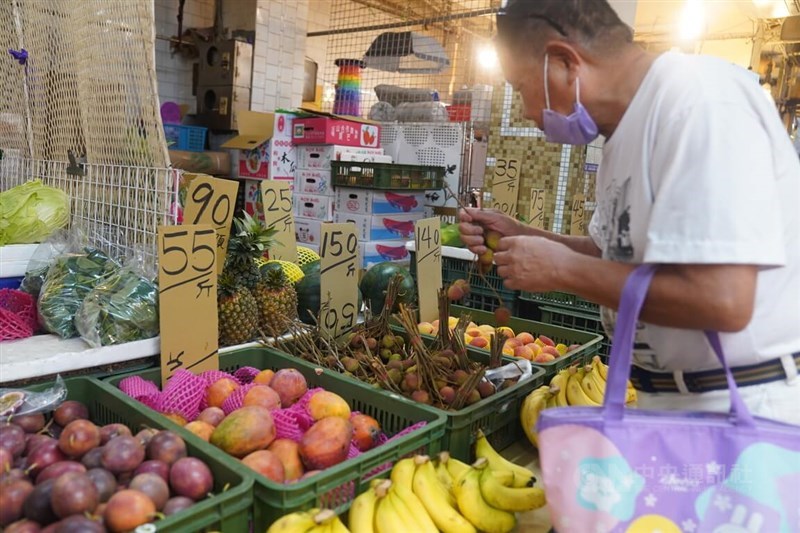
[277, 200]
[187, 280]
[339, 278]
[211, 201]
[429, 266]
[505, 186]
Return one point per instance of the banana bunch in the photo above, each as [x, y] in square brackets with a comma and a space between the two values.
[311, 521]
[571, 386]
[447, 495]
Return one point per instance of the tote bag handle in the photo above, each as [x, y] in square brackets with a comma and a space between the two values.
[619, 371]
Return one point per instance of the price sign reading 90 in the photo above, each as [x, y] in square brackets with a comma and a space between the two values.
[211, 201]
[339, 278]
[428, 246]
[277, 199]
[505, 186]
[187, 278]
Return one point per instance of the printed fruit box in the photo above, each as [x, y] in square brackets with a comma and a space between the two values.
[333, 487]
[228, 506]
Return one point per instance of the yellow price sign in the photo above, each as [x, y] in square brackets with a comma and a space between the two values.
[537, 208]
[187, 279]
[211, 201]
[428, 246]
[338, 278]
[577, 225]
[505, 186]
[276, 196]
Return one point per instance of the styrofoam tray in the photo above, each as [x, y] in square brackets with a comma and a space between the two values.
[14, 259]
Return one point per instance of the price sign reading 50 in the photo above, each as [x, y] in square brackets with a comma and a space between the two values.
[277, 200]
[211, 201]
[429, 267]
[339, 278]
[505, 186]
[187, 280]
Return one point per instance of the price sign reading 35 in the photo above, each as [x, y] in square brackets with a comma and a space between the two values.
[187, 279]
[338, 278]
[211, 201]
[505, 186]
[428, 247]
[277, 199]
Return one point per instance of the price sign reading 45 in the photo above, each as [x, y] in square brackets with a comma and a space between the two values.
[187, 278]
[577, 225]
[277, 199]
[428, 247]
[211, 201]
[505, 186]
[338, 278]
[537, 208]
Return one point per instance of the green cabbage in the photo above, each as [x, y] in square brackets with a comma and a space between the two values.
[30, 212]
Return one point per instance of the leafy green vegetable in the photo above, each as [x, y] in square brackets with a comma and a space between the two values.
[30, 212]
[122, 308]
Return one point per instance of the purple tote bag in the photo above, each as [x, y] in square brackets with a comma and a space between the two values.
[611, 469]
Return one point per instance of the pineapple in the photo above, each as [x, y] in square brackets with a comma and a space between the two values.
[277, 302]
[248, 243]
[238, 312]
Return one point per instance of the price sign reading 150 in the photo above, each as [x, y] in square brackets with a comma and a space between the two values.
[339, 278]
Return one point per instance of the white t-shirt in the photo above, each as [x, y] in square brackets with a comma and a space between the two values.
[700, 170]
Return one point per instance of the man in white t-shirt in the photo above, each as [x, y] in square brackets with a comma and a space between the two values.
[698, 175]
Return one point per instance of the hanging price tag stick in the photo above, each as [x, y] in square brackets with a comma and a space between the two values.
[211, 201]
[187, 278]
[277, 199]
[505, 186]
[338, 278]
[577, 225]
[537, 208]
[428, 247]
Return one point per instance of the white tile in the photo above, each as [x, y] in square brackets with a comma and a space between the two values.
[258, 81]
[270, 88]
[260, 65]
[260, 48]
[272, 72]
[257, 97]
[262, 15]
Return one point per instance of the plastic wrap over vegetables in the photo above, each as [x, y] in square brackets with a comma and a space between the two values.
[30, 212]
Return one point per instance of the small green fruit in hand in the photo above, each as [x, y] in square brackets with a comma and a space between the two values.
[492, 239]
[485, 261]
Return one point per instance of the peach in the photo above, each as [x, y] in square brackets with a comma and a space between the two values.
[435, 325]
[426, 328]
[471, 325]
[561, 348]
[551, 350]
[479, 342]
[219, 391]
[486, 327]
[508, 350]
[474, 332]
[535, 348]
[573, 347]
[525, 337]
[513, 342]
[264, 377]
[505, 331]
[523, 352]
[544, 358]
[547, 340]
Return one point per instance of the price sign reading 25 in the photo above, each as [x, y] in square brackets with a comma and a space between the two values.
[277, 199]
[505, 186]
[187, 279]
[339, 278]
[211, 201]
[428, 246]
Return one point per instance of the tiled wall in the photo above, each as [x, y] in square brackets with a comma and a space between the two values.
[175, 72]
[319, 19]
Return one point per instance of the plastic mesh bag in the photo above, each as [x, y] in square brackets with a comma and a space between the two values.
[17, 315]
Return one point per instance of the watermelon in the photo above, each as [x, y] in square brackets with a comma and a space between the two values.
[376, 280]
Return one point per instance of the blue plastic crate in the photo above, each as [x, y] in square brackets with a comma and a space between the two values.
[11, 283]
[190, 138]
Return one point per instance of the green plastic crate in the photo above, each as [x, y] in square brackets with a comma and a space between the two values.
[386, 175]
[560, 299]
[335, 487]
[579, 321]
[481, 295]
[228, 510]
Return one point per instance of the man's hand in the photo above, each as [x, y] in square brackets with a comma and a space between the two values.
[475, 221]
[531, 263]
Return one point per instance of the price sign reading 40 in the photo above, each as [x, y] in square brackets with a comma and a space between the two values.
[577, 225]
[428, 247]
[277, 199]
[338, 278]
[537, 208]
[505, 186]
[187, 280]
[211, 201]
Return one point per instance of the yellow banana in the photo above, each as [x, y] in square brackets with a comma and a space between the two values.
[601, 367]
[406, 499]
[440, 505]
[387, 518]
[324, 521]
[454, 466]
[522, 476]
[445, 487]
[532, 405]
[503, 496]
[575, 393]
[593, 385]
[403, 472]
[361, 516]
[444, 477]
[475, 509]
[558, 385]
[337, 526]
[631, 397]
[301, 521]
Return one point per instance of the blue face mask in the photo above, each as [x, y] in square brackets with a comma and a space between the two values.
[577, 128]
